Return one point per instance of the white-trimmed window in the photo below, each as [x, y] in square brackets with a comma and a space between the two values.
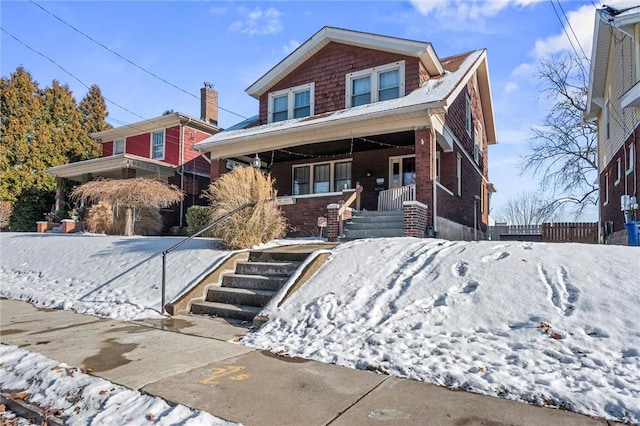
[118, 146]
[606, 189]
[321, 178]
[631, 158]
[375, 84]
[468, 115]
[459, 174]
[618, 171]
[477, 146]
[295, 102]
[157, 144]
[438, 156]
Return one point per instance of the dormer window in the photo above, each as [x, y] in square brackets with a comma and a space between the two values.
[375, 84]
[295, 102]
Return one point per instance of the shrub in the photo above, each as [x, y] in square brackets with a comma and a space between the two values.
[252, 225]
[198, 217]
[103, 218]
[5, 213]
[100, 218]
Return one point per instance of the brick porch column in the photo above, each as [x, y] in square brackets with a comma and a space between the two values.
[333, 222]
[415, 219]
[424, 141]
[218, 168]
[128, 173]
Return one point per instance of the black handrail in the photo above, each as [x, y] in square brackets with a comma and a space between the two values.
[175, 246]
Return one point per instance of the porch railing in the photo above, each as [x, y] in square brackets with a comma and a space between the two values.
[355, 197]
[392, 199]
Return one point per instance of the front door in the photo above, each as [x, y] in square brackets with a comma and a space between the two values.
[402, 171]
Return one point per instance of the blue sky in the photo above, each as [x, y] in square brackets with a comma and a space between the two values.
[232, 44]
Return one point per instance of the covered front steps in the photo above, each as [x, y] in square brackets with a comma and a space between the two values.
[372, 224]
[257, 276]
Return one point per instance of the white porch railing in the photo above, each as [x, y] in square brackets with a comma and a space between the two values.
[392, 199]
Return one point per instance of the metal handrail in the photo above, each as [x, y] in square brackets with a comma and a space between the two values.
[200, 232]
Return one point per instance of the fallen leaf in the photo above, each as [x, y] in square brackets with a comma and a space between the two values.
[102, 392]
[57, 368]
[3, 408]
[150, 417]
[20, 395]
[557, 336]
[87, 370]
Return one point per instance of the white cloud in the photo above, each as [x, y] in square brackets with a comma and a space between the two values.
[510, 87]
[581, 23]
[290, 46]
[259, 21]
[466, 9]
[524, 70]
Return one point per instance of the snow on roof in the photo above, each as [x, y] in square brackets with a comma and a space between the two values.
[433, 93]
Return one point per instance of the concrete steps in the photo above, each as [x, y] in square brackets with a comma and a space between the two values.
[374, 224]
[242, 294]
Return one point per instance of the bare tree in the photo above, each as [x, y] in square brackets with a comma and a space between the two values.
[527, 208]
[563, 150]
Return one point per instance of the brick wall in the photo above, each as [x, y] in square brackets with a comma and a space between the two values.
[303, 215]
[611, 211]
[374, 162]
[328, 68]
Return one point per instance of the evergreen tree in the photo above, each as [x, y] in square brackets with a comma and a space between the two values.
[41, 129]
[21, 127]
[94, 114]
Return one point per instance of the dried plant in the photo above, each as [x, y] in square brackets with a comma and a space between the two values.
[137, 198]
[252, 225]
[6, 208]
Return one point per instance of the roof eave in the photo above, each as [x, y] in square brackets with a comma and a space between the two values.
[422, 50]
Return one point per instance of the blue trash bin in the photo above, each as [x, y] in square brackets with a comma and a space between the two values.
[633, 233]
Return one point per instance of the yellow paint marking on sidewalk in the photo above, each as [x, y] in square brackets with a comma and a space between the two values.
[225, 372]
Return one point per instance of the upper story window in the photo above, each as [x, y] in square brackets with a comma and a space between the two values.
[118, 146]
[477, 147]
[631, 158]
[468, 115]
[375, 84]
[291, 103]
[157, 144]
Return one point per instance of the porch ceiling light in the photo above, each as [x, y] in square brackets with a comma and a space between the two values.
[256, 162]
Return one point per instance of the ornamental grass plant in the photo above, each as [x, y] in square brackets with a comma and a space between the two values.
[252, 225]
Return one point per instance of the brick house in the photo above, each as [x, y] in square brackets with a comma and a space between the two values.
[158, 148]
[349, 109]
[614, 104]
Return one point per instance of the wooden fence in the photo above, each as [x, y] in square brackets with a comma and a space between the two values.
[562, 232]
[574, 232]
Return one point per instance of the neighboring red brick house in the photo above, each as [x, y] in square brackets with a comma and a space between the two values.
[348, 108]
[614, 104]
[159, 148]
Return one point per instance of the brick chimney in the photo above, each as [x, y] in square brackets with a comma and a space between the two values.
[209, 104]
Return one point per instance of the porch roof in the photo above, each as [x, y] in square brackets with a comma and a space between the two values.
[396, 115]
[110, 167]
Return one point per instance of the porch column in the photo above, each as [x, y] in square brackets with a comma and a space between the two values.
[59, 194]
[424, 146]
[218, 168]
[333, 222]
[128, 173]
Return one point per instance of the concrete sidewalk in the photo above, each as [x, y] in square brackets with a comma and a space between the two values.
[194, 361]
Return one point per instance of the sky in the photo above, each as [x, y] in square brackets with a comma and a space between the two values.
[531, 322]
[152, 56]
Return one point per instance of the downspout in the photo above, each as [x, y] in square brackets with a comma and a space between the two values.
[182, 169]
[433, 172]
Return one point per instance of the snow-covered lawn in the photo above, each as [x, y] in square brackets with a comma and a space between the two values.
[554, 324]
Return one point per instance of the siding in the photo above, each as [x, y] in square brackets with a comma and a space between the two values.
[621, 76]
